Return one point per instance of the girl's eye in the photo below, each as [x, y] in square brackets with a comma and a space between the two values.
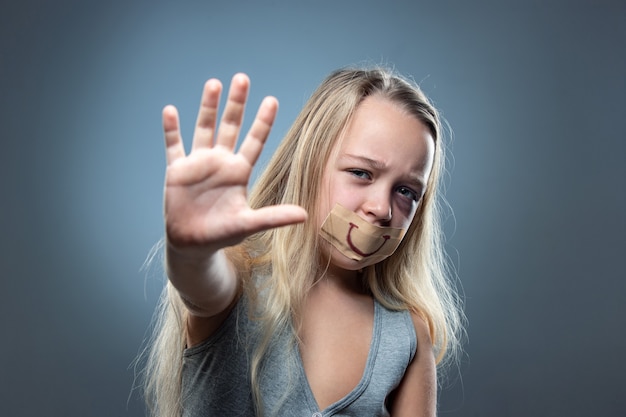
[408, 193]
[360, 174]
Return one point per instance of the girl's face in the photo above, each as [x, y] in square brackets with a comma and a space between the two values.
[379, 169]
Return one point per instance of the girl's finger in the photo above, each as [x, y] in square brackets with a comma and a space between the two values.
[230, 124]
[174, 148]
[259, 132]
[271, 217]
[207, 115]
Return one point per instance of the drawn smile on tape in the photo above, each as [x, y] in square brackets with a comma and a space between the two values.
[356, 250]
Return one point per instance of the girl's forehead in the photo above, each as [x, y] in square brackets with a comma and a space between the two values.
[383, 131]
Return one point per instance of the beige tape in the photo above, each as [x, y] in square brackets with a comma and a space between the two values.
[357, 239]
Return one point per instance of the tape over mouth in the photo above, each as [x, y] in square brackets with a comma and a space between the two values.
[357, 239]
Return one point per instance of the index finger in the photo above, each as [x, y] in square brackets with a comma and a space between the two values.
[259, 131]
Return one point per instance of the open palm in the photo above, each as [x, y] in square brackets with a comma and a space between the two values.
[206, 191]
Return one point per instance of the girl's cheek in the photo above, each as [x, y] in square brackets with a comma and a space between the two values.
[405, 207]
[405, 214]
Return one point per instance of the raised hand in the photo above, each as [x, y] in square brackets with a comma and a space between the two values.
[205, 195]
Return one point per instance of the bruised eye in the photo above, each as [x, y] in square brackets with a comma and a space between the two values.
[408, 193]
[359, 173]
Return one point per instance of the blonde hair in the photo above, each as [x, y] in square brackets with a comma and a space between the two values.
[414, 278]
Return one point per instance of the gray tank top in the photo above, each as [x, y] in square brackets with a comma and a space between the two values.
[216, 373]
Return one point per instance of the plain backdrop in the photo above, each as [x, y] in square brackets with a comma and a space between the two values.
[534, 93]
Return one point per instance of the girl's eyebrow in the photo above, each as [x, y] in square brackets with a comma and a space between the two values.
[368, 161]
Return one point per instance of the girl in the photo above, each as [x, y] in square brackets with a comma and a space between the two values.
[323, 293]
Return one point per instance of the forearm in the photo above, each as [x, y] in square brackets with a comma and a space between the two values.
[207, 282]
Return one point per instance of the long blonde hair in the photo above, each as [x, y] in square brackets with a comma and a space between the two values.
[414, 278]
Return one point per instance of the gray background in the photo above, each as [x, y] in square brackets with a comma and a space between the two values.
[535, 95]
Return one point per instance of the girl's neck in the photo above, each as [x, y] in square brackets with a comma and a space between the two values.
[342, 280]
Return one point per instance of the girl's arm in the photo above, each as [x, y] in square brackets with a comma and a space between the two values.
[205, 200]
[416, 396]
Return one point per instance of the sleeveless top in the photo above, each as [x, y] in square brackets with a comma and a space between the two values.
[216, 373]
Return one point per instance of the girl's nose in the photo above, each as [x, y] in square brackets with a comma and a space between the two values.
[378, 209]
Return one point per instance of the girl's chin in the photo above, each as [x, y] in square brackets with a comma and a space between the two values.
[339, 262]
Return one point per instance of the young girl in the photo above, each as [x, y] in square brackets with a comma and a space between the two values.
[322, 293]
